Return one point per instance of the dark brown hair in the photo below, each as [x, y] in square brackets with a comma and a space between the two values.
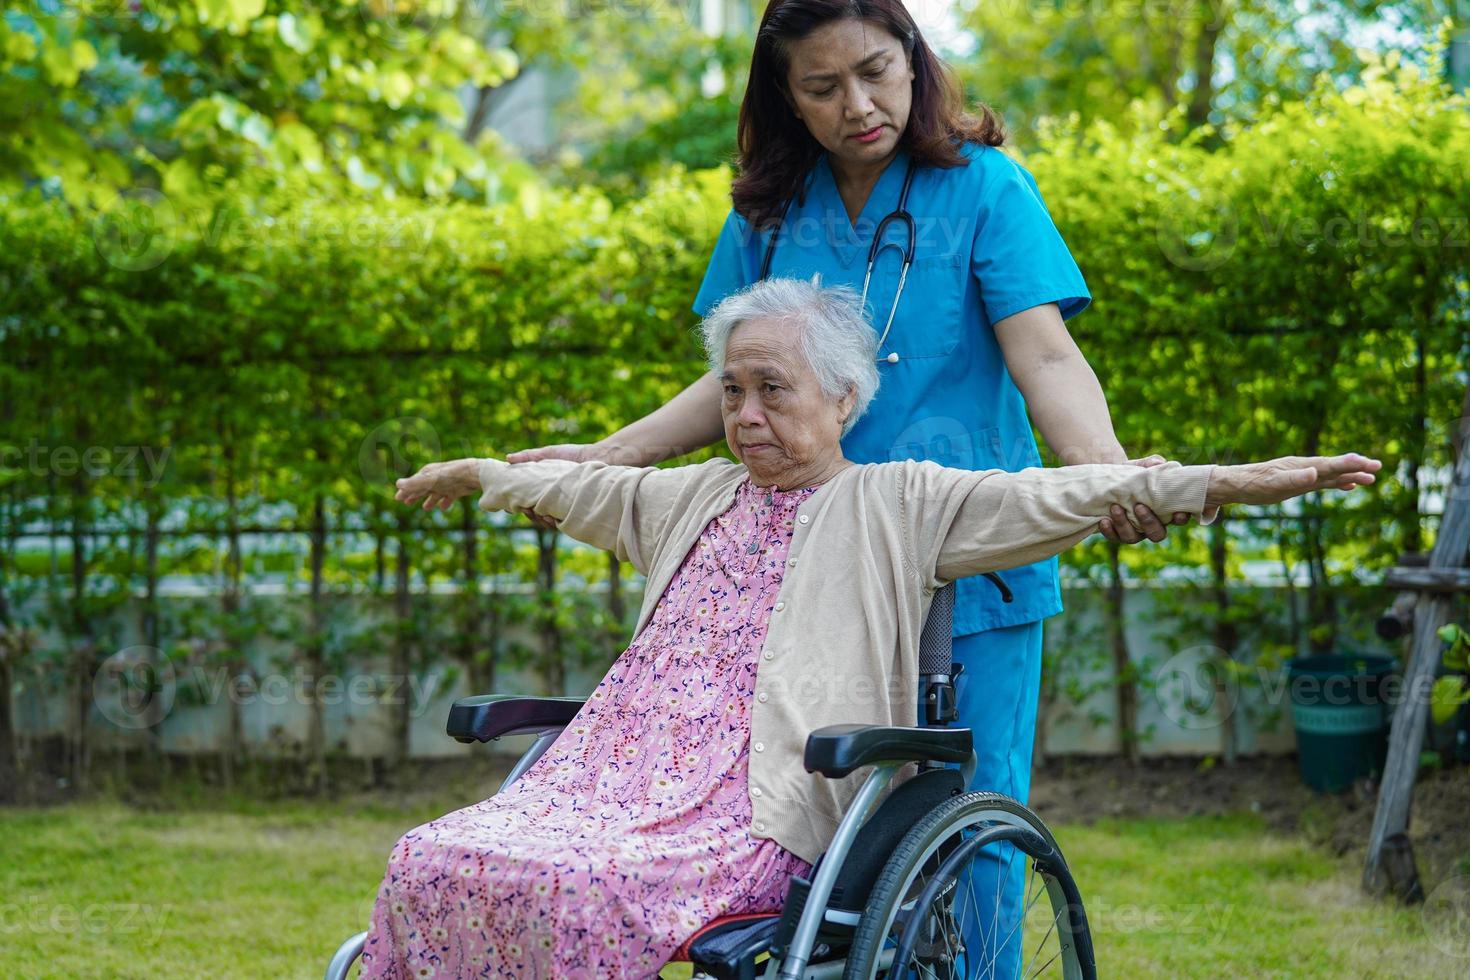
[777, 150]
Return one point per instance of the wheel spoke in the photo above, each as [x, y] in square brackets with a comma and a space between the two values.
[952, 940]
[1056, 915]
[933, 911]
[1047, 963]
[1020, 918]
[995, 918]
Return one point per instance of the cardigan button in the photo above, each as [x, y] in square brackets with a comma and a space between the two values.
[804, 519]
[761, 826]
[780, 606]
[759, 746]
[755, 792]
[761, 697]
[767, 655]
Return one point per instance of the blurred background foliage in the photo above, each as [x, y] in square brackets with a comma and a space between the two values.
[386, 98]
[1185, 64]
[285, 247]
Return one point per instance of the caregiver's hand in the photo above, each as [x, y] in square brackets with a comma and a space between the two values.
[1281, 479]
[439, 485]
[576, 453]
[1118, 528]
[613, 455]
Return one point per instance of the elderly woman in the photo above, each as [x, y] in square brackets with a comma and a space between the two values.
[785, 593]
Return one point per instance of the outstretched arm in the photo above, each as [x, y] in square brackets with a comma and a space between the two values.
[622, 509]
[979, 522]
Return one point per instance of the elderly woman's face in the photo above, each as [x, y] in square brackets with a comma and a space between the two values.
[778, 420]
[848, 79]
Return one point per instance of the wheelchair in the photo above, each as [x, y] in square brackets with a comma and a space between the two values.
[888, 896]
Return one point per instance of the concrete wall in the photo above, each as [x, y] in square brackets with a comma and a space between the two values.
[1180, 712]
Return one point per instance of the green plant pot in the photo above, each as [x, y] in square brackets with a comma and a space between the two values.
[1340, 716]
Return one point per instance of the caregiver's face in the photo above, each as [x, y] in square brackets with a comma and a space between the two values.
[778, 420]
[851, 83]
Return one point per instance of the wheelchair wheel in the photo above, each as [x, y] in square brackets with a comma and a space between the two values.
[911, 927]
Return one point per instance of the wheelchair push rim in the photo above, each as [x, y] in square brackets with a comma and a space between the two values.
[912, 910]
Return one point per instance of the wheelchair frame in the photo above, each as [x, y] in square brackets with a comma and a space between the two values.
[835, 751]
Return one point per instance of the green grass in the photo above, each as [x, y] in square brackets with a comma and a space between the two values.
[1225, 897]
[250, 890]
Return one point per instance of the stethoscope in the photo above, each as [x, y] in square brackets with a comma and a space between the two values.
[937, 625]
[902, 216]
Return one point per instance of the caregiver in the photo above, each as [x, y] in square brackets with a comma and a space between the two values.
[846, 104]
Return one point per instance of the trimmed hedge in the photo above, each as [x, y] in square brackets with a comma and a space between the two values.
[1302, 288]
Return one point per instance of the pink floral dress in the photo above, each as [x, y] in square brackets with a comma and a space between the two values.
[633, 830]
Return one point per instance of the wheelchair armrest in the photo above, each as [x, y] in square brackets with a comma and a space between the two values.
[837, 750]
[486, 716]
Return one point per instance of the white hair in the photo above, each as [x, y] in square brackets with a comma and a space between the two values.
[832, 333]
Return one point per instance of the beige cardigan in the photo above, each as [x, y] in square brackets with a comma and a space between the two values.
[868, 551]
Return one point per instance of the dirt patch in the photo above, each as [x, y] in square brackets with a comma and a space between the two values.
[1085, 789]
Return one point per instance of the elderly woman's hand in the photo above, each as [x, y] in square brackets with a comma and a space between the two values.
[1118, 528]
[1281, 479]
[439, 485]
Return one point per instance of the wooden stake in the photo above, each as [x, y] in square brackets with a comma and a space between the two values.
[1391, 820]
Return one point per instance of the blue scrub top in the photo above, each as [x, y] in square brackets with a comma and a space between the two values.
[985, 248]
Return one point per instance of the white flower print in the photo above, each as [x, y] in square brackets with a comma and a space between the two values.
[616, 819]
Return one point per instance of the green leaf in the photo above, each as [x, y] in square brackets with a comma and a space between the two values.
[213, 12]
[290, 32]
[65, 62]
[255, 129]
[83, 55]
[1457, 657]
[360, 175]
[1446, 697]
[397, 87]
[244, 11]
[19, 46]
